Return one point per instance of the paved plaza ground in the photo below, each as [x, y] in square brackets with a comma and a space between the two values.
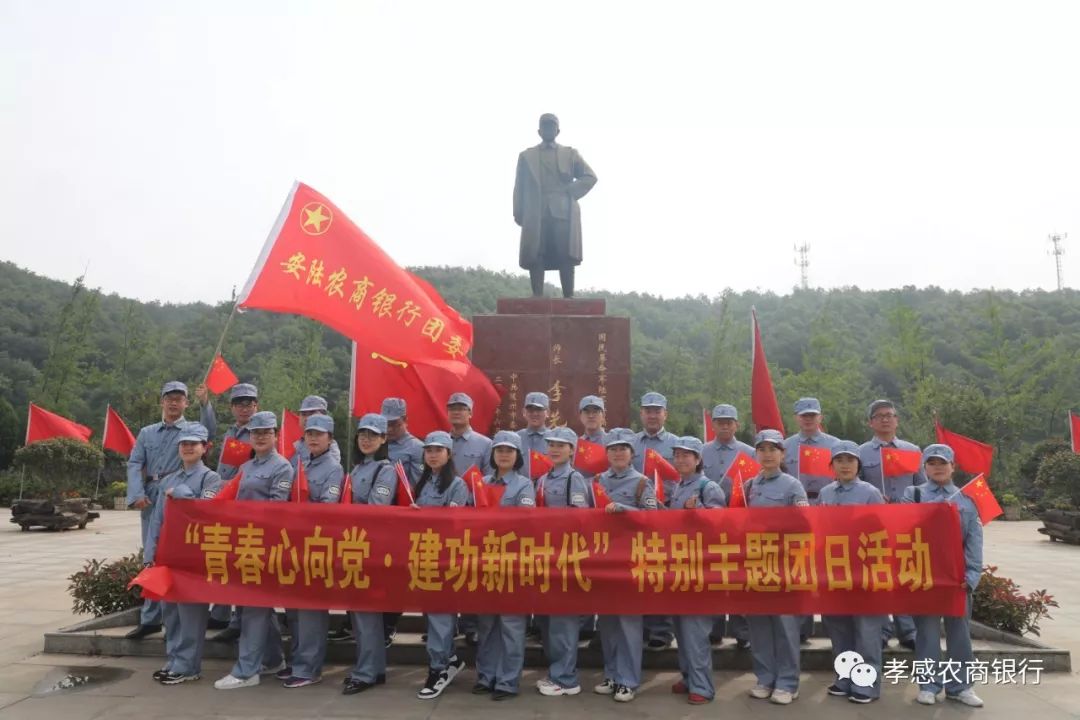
[34, 567]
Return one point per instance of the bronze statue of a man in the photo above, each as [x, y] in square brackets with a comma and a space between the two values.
[551, 178]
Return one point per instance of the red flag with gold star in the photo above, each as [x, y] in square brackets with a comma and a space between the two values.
[221, 377]
[235, 452]
[539, 463]
[317, 263]
[600, 496]
[815, 461]
[229, 490]
[744, 465]
[738, 494]
[984, 499]
[590, 458]
[346, 491]
[657, 464]
[897, 463]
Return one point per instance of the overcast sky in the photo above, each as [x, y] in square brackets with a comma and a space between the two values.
[924, 143]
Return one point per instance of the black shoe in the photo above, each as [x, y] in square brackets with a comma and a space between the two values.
[884, 643]
[340, 635]
[158, 674]
[142, 631]
[437, 681]
[423, 637]
[837, 691]
[502, 695]
[471, 639]
[716, 639]
[742, 644]
[860, 698]
[657, 645]
[227, 635]
[356, 686]
[909, 643]
[481, 689]
[213, 624]
[804, 639]
[380, 679]
[178, 678]
[388, 636]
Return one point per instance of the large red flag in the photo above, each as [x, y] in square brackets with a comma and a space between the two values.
[116, 436]
[984, 499]
[972, 456]
[235, 452]
[539, 463]
[815, 461]
[221, 377]
[425, 389]
[743, 465]
[291, 431]
[43, 425]
[763, 406]
[591, 458]
[317, 263]
[896, 462]
[738, 494]
[1074, 431]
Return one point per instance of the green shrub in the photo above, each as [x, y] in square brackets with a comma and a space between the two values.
[64, 466]
[997, 602]
[100, 587]
[1059, 479]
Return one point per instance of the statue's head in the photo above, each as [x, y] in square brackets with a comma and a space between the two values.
[549, 127]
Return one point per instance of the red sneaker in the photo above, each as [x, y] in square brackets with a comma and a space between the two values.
[680, 688]
[696, 699]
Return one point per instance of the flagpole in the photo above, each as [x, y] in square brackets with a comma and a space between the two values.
[221, 341]
[349, 414]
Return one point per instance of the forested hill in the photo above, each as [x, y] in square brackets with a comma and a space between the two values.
[999, 366]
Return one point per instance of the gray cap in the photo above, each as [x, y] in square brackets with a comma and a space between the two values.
[691, 443]
[537, 399]
[322, 423]
[770, 436]
[591, 401]
[725, 412]
[243, 390]
[506, 438]
[549, 117]
[877, 405]
[562, 434]
[460, 398]
[393, 408]
[194, 432]
[938, 451]
[439, 438]
[807, 406]
[173, 386]
[620, 436]
[846, 447]
[653, 399]
[313, 403]
[374, 422]
[263, 420]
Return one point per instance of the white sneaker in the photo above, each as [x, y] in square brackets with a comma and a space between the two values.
[267, 670]
[554, 689]
[783, 697]
[760, 692]
[231, 682]
[968, 697]
[624, 694]
[925, 697]
[605, 688]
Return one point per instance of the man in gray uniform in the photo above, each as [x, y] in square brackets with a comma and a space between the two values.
[533, 435]
[402, 446]
[592, 412]
[470, 447]
[312, 405]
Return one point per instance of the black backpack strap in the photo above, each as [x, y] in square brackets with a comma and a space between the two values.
[918, 494]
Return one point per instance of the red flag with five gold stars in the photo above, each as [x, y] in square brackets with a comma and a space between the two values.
[590, 458]
[539, 463]
[815, 461]
[984, 499]
[743, 465]
[657, 464]
[221, 377]
[235, 452]
[896, 462]
[738, 495]
[600, 496]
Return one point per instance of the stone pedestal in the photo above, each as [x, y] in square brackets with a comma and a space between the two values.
[567, 348]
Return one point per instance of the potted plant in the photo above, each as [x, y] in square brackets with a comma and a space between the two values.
[1012, 507]
[997, 602]
[1059, 479]
[101, 587]
[118, 492]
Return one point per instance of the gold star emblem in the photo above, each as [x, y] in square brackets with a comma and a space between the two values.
[315, 218]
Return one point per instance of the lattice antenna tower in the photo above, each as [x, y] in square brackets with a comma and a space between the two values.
[802, 259]
[1057, 240]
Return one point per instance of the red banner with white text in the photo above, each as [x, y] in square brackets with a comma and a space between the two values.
[832, 560]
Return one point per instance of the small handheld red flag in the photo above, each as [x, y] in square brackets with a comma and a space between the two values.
[43, 425]
[221, 377]
[291, 431]
[738, 495]
[895, 462]
[763, 406]
[600, 496]
[1074, 431]
[815, 461]
[539, 464]
[346, 491]
[474, 480]
[658, 487]
[972, 456]
[744, 465]
[155, 581]
[230, 489]
[403, 497]
[984, 499]
[657, 464]
[540, 500]
[116, 437]
[301, 491]
[235, 452]
[708, 434]
[590, 458]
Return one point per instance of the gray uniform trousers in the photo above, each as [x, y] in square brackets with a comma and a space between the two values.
[440, 640]
[309, 630]
[774, 648]
[695, 653]
[185, 632]
[731, 626]
[371, 645]
[861, 634]
[561, 647]
[500, 655]
[900, 626]
[260, 642]
[620, 641]
[150, 613]
[659, 627]
[957, 647]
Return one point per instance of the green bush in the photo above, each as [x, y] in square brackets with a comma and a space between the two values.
[100, 587]
[9, 487]
[1059, 479]
[1009, 500]
[64, 466]
[118, 489]
[997, 602]
[1030, 462]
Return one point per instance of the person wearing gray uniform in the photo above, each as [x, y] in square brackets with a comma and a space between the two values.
[774, 639]
[152, 458]
[562, 487]
[440, 486]
[532, 435]
[374, 482]
[694, 492]
[267, 477]
[938, 465]
[591, 411]
[500, 655]
[620, 635]
[310, 406]
[325, 477]
[185, 623]
[402, 445]
[853, 633]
